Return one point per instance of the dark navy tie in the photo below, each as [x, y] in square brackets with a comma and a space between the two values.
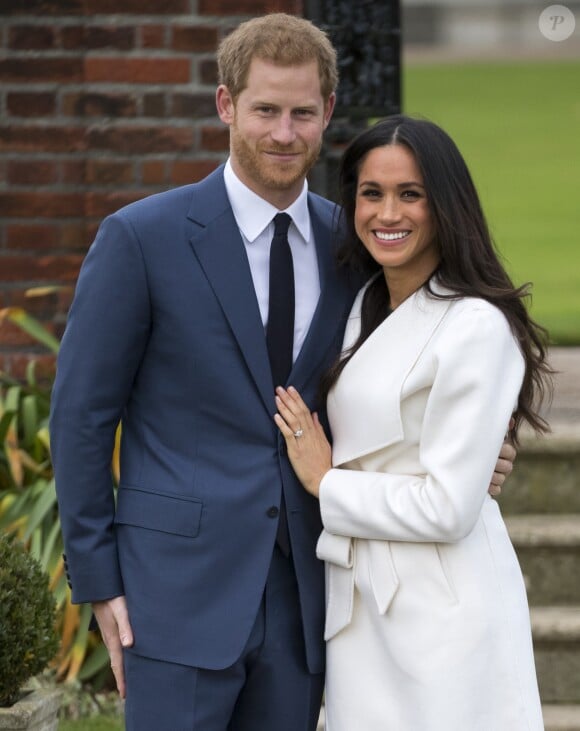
[280, 330]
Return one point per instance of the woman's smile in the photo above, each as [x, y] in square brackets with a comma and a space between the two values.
[393, 219]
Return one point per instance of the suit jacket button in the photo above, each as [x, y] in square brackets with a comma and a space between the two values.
[272, 512]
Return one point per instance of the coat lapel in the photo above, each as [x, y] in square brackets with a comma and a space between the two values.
[384, 361]
[219, 248]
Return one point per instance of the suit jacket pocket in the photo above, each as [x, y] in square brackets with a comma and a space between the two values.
[158, 511]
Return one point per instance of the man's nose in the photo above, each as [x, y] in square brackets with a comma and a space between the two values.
[284, 132]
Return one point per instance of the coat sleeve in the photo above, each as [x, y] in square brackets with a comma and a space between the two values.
[101, 349]
[478, 372]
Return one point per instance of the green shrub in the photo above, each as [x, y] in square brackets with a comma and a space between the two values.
[27, 619]
[28, 507]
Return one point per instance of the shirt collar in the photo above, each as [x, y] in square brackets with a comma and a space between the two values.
[253, 213]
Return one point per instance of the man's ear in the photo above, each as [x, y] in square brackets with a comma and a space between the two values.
[224, 104]
[329, 109]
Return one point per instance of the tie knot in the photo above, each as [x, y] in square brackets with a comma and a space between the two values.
[281, 224]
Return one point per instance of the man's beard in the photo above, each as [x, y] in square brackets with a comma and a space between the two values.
[277, 176]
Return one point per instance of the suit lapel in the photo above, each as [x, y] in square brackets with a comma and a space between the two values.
[335, 298]
[219, 248]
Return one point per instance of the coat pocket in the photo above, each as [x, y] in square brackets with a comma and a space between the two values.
[158, 511]
[445, 568]
[424, 573]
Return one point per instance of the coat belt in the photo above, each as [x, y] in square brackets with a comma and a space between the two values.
[340, 555]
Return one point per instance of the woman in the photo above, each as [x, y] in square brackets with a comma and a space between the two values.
[427, 619]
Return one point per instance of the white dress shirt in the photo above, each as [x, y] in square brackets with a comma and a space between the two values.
[254, 218]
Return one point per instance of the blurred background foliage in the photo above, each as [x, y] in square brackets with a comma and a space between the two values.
[28, 507]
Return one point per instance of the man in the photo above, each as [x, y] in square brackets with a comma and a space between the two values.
[203, 577]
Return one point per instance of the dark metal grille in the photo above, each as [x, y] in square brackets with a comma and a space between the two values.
[366, 35]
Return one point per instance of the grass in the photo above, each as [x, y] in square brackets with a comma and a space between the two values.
[97, 723]
[517, 125]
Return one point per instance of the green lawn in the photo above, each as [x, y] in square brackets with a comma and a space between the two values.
[518, 126]
[101, 723]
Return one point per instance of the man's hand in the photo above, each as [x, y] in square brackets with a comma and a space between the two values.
[503, 468]
[116, 631]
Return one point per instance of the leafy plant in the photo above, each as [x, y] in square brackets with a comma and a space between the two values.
[27, 614]
[28, 506]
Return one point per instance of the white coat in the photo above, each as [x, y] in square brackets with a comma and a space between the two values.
[427, 619]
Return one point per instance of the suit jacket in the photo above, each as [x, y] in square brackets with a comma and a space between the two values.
[418, 417]
[165, 334]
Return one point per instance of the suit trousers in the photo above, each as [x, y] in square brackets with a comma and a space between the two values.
[268, 688]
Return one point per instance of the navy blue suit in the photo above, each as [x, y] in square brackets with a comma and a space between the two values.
[165, 335]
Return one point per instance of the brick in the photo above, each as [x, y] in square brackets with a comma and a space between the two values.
[41, 204]
[91, 231]
[208, 72]
[137, 7]
[154, 105]
[31, 236]
[153, 172]
[28, 70]
[137, 70]
[31, 37]
[249, 7]
[31, 104]
[190, 171]
[13, 336]
[65, 299]
[102, 204]
[16, 365]
[194, 39]
[99, 104]
[216, 139]
[40, 268]
[42, 7]
[140, 140]
[42, 139]
[73, 172]
[120, 38]
[193, 105]
[73, 37]
[153, 36]
[32, 172]
[74, 237]
[43, 308]
[107, 171]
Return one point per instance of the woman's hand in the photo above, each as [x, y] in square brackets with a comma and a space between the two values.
[308, 448]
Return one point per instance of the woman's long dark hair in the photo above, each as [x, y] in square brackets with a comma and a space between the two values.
[469, 265]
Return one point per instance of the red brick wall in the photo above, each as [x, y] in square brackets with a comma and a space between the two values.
[101, 102]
